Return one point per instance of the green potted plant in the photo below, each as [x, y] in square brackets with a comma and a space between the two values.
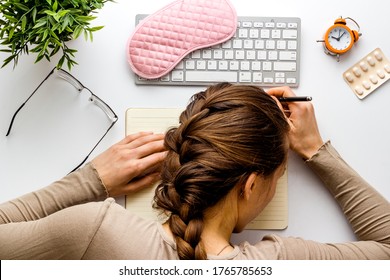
[44, 27]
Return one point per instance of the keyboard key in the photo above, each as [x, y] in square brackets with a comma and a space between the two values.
[257, 77]
[292, 25]
[291, 80]
[292, 45]
[209, 76]
[267, 66]
[285, 66]
[281, 25]
[245, 65]
[223, 65]
[190, 64]
[212, 65]
[256, 65]
[229, 54]
[245, 77]
[177, 76]
[290, 34]
[234, 65]
[287, 55]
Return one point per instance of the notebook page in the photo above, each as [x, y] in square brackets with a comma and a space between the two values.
[158, 120]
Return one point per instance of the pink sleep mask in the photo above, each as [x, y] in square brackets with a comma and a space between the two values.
[164, 38]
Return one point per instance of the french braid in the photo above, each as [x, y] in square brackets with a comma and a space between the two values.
[226, 133]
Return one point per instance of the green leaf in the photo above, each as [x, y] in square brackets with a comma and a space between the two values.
[44, 49]
[55, 5]
[71, 51]
[45, 33]
[64, 24]
[21, 6]
[55, 50]
[10, 18]
[60, 62]
[95, 28]
[9, 59]
[38, 48]
[77, 31]
[63, 13]
[24, 22]
[55, 41]
[34, 14]
[11, 33]
[50, 13]
[85, 18]
[39, 58]
[40, 23]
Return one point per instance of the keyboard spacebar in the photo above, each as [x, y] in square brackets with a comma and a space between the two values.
[210, 76]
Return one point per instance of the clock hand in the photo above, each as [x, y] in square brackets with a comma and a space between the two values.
[341, 35]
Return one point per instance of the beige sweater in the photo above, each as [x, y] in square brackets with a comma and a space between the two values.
[66, 220]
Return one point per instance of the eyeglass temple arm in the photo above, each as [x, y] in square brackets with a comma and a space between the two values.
[13, 118]
[21, 106]
[86, 158]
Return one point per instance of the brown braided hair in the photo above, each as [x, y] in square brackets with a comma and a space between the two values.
[226, 133]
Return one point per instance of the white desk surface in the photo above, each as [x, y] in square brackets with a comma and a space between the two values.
[42, 148]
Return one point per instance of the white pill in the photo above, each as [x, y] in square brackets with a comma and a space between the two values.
[380, 73]
[359, 90]
[378, 55]
[364, 66]
[366, 85]
[373, 79]
[370, 60]
[356, 71]
[349, 77]
[387, 68]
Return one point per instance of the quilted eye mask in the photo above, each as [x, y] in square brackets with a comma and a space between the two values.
[164, 38]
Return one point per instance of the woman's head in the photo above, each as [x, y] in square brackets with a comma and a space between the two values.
[225, 134]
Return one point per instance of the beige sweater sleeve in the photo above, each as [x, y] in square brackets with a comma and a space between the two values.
[367, 211]
[55, 222]
[78, 187]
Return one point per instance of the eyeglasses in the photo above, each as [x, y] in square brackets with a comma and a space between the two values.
[80, 87]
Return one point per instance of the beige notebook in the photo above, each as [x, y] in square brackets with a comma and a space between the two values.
[158, 120]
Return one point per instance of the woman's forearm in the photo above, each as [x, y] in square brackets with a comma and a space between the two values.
[367, 211]
[78, 187]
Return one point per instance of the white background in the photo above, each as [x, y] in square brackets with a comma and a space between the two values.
[53, 133]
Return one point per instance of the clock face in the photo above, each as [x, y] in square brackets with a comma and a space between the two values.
[339, 39]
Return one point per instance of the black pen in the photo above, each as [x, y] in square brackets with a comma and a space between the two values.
[294, 99]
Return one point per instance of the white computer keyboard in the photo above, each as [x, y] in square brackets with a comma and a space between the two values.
[264, 51]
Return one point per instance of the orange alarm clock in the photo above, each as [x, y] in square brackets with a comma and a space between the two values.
[339, 38]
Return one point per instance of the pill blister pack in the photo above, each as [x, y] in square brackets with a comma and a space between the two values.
[368, 74]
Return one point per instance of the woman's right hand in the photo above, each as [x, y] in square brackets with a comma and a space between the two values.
[304, 135]
[131, 164]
